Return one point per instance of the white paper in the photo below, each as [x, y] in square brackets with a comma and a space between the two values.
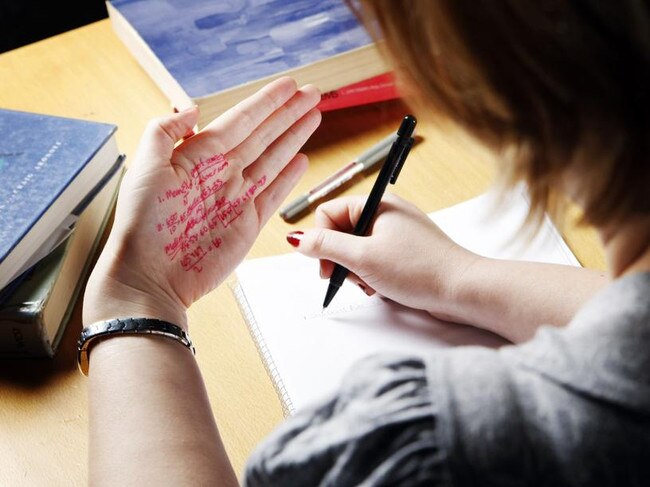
[308, 350]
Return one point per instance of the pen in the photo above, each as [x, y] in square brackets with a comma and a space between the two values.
[389, 172]
[365, 161]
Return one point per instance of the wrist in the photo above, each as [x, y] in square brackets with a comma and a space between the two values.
[106, 299]
[475, 298]
[459, 294]
[117, 290]
[118, 328]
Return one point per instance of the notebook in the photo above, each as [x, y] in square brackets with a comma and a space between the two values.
[308, 350]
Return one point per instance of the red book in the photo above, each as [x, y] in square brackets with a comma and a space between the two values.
[372, 90]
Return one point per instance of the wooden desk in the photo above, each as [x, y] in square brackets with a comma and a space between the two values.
[88, 74]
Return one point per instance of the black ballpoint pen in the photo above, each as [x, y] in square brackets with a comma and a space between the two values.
[389, 172]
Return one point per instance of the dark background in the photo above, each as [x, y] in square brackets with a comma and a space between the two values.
[26, 21]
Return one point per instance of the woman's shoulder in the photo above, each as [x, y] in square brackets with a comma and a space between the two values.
[604, 352]
[559, 401]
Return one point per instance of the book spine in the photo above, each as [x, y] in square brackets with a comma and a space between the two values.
[372, 90]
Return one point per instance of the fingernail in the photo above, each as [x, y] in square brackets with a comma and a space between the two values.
[294, 238]
[188, 109]
[363, 288]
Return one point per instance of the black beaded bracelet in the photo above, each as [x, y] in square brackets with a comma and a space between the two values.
[127, 326]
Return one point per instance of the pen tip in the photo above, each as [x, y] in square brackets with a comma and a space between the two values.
[331, 292]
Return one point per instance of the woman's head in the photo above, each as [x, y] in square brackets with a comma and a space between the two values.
[563, 85]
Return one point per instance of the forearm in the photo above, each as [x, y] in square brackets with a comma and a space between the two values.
[513, 299]
[150, 418]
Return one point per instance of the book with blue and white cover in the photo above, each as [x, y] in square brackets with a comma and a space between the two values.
[200, 51]
[48, 166]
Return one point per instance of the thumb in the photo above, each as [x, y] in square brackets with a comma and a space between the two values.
[162, 134]
[321, 243]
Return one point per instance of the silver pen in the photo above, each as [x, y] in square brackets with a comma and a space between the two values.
[365, 161]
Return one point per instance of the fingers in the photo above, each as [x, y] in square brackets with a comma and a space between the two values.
[330, 246]
[341, 213]
[241, 120]
[277, 191]
[275, 158]
[365, 288]
[339, 247]
[326, 267]
[274, 126]
[162, 134]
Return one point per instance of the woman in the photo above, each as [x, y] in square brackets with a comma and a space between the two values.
[561, 89]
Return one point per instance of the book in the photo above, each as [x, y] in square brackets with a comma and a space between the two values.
[307, 350]
[372, 90]
[48, 166]
[34, 315]
[214, 54]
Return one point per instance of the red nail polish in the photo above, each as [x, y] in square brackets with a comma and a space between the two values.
[363, 288]
[294, 238]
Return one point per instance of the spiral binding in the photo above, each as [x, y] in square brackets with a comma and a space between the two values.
[287, 405]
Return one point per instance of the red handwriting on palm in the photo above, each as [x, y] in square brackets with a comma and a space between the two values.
[194, 210]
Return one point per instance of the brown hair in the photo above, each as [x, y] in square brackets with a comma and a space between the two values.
[563, 85]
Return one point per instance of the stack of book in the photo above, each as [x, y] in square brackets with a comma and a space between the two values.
[59, 182]
[214, 54]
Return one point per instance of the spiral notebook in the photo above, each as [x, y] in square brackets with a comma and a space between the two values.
[308, 350]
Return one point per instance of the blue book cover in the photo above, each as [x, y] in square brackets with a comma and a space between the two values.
[210, 46]
[40, 157]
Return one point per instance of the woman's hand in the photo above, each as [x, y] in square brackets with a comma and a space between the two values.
[406, 257]
[186, 216]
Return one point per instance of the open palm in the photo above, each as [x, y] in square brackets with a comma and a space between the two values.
[187, 215]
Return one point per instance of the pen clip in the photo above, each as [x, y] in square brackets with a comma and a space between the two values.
[402, 158]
